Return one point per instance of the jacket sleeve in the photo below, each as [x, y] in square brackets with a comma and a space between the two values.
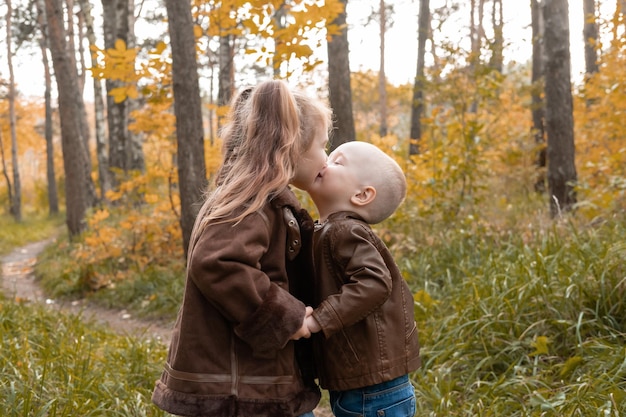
[226, 268]
[367, 281]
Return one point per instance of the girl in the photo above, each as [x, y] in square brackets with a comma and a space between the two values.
[233, 350]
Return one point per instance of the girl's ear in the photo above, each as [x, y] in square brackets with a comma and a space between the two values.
[364, 197]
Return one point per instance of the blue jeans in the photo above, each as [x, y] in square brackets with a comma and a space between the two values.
[395, 398]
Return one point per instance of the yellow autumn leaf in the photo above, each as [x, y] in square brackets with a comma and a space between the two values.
[160, 47]
[423, 298]
[131, 91]
[570, 365]
[126, 225]
[92, 241]
[197, 31]
[541, 346]
[119, 50]
[119, 94]
[151, 198]
[100, 215]
[112, 195]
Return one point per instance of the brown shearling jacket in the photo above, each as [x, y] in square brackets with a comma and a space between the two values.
[230, 353]
[369, 334]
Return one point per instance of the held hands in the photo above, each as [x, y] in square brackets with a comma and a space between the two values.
[309, 325]
[312, 324]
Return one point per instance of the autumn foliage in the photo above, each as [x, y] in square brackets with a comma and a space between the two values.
[476, 165]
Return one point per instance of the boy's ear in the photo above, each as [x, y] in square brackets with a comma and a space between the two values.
[364, 197]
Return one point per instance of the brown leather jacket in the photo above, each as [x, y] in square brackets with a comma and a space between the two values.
[230, 353]
[369, 334]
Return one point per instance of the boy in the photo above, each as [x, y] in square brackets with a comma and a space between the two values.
[368, 342]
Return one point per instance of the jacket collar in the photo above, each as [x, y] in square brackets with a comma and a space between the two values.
[343, 215]
[285, 198]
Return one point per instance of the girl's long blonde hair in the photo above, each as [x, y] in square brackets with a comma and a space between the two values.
[269, 128]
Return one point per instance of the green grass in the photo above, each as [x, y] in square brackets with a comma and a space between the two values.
[524, 326]
[523, 318]
[54, 365]
[30, 229]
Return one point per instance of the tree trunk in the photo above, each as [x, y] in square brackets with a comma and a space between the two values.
[77, 176]
[16, 201]
[382, 79]
[53, 195]
[538, 109]
[497, 46]
[211, 113]
[104, 177]
[477, 34]
[417, 105]
[280, 23]
[559, 119]
[192, 180]
[135, 160]
[340, 92]
[81, 48]
[618, 17]
[226, 74]
[71, 44]
[125, 153]
[590, 33]
[5, 174]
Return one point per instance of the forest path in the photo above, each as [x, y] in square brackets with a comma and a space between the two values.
[19, 282]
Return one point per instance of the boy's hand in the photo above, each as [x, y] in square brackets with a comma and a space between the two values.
[304, 329]
[312, 324]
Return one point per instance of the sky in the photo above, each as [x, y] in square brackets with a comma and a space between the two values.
[401, 42]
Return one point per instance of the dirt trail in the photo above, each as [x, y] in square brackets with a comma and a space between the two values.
[18, 282]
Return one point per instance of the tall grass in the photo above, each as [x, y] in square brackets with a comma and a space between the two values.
[521, 317]
[523, 325]
[55, 365]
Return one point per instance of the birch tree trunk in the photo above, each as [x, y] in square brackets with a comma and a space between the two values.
[102, 157]
[537, 108]
[77, 177]
[590, 34]
[382, 79]
[5, 174]
[16, 201]
[559, 118]
[71, 45]
[417, 105]
[497, 46]
[226, 74]
[53, 195]
[339, 89]
[192, 180]
[280, 23]
[125, 150]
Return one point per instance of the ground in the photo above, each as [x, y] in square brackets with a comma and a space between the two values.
[18, 281]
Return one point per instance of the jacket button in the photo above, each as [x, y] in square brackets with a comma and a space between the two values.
[296, 242]
[292, 222]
